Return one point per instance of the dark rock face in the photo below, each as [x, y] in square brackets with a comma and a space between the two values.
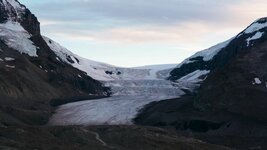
[30, 23]
[30, 85]
[233, 87]
[3, 15]
[231, 84]
[217, 127]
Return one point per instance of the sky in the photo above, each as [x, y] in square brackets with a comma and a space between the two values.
[132, 33]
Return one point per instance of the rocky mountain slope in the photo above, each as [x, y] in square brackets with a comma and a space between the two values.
[240, 86]
[31, 75]
[230, 105]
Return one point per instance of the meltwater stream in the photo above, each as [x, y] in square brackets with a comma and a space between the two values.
[129, 96]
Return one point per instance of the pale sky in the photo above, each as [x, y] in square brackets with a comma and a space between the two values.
[143, 32]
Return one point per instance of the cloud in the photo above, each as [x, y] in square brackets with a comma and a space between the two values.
[139, 20]
[189, 25]
[191, 33]
[137, 11]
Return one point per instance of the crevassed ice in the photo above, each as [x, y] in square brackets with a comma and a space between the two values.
[129, 97]
[17, 38]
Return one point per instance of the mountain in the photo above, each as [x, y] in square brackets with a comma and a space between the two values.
[240, 85]
[32, 78]
[229, 107]
[237, 73]
[221, 94]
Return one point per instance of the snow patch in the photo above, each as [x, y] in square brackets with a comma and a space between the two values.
[9, 59]
[206, 54]
[255, 37]
[57, 59]
[1, 59]
[192, 80]
[257, 81]
[17, 38]
[256, 26]
[209, 53]
[194, 76]
[9, 66]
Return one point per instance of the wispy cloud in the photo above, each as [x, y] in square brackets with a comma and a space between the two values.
[138, 11]
[145, 20]
[177, 23]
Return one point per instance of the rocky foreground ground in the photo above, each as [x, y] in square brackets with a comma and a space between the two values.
[98, 138]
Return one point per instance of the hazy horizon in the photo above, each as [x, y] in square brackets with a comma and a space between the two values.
[138, 33]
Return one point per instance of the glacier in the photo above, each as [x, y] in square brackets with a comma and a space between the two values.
[127, 99]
